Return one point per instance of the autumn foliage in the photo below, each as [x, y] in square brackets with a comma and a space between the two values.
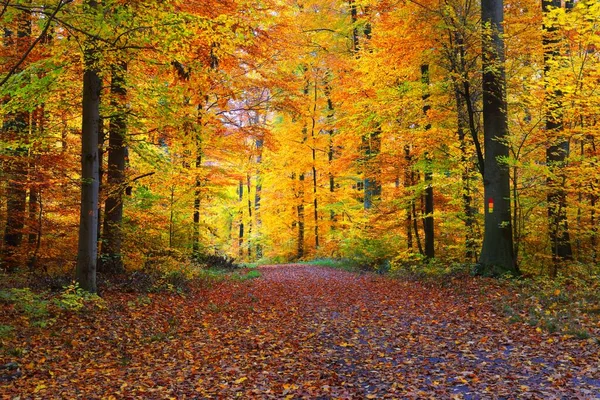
[286, 130]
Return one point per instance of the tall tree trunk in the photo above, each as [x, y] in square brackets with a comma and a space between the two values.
[428, 226]
[101, 188]
[497, 257]
[16, 128]
[257, 196]
[354, 19]
[469, 219]
[556, 153]
[112, 237]
[241, 214]
[88, 222]
[35, 199]
[300, 220]
[372, 186]
[314, 165]
[197, 197]
[408, 182]
[330, 152]
[250, 216]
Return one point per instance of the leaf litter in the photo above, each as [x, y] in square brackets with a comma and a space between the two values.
[300, 332]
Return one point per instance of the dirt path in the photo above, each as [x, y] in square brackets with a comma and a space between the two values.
[307, 332]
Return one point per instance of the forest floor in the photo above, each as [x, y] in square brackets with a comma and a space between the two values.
[297, 332]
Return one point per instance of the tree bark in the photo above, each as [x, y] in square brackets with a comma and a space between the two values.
[428, 226]
[497, 257]
[112, 236]
[88, 222]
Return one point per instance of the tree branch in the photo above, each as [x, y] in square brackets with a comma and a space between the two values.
[52, 16]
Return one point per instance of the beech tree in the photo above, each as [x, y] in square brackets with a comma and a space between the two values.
[497, 253]
[90, 117]
[558, 150]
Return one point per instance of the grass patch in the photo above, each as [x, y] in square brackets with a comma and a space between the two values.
[244, 276]
[343, 264]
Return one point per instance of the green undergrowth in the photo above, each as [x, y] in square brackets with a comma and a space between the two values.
[30, 309]
[416, 268]
[570, 306]
[343, 264]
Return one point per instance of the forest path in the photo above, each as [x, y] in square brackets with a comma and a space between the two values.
[323, 333]
[299, 332]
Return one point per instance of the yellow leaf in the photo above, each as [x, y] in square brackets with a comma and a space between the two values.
[241, 380]
[39, 388]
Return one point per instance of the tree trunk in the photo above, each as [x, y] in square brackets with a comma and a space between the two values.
[497, 257]
[372, 186]
[469, 218]
[16, 128]
[428, 227]
[241, 214]
[314, 165]
[112, 237]
[101, 188]
[330, 154]
[300, 211]
[407, 184]
[88, 222]
[556, 153]
[257, 197]
[197, 194]
[249, 188]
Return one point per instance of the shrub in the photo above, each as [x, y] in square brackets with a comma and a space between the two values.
[74, 298]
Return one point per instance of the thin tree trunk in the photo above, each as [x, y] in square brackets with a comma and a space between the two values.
[314, 165]
[171, 216]
[372, 186]
[428, 226]
[556, 154]
[248, 188]
[330, 153]
[197, 197]
[300, 210]
[16, 128]
[241, 214]
[408, 182]
[416, 225]
[257, 197]
[101, 188]
[465, 177]
[88, 222]
[112, 238]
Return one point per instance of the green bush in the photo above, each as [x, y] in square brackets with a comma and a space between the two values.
[369, 254]
[74, 298]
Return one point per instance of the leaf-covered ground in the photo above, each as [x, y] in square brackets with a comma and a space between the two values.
[301, 332]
